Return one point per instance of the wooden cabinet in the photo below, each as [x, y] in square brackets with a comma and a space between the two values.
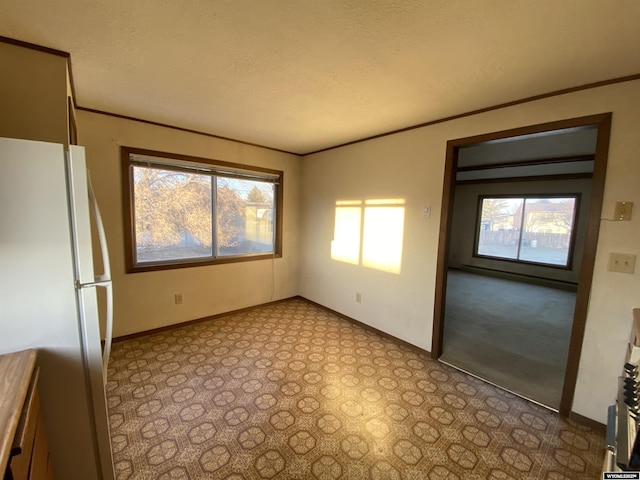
[34, 87]
[23, 448]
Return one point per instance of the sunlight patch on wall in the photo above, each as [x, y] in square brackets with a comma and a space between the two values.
[345, 246]
[383, 235]
[369, 233]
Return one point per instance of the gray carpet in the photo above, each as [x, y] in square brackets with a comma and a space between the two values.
[515, 335]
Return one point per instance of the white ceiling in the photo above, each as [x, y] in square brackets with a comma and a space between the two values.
[303, 75]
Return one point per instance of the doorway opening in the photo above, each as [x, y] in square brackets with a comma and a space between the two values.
[519, 226]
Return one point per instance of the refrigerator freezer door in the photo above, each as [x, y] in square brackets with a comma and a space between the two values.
[79, 194]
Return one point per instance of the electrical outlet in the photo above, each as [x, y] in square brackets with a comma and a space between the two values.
[358, 297]
[621, 262]
[179, 299]
[623, 211]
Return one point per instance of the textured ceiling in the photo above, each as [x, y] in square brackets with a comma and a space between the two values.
[303, 75]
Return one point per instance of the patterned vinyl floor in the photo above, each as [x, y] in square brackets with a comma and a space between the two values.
[290, 391]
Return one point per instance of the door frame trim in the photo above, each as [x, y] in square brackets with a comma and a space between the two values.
[603, 122]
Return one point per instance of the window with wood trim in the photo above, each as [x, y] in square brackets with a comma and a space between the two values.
[527, 228]
[183, 211]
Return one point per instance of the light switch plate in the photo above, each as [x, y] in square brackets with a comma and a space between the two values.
[623, 211]
[622, 262]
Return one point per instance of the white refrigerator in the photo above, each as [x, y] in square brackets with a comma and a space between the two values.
[48, 298]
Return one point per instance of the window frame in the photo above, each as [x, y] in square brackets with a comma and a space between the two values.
[525, 197]
[186, 161]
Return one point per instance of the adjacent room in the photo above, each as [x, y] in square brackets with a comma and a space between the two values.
[324, 240]
[517, 240]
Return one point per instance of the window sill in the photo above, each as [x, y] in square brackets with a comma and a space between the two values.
[170, 265]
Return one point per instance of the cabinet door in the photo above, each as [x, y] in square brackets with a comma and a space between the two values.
[24, 440]
[40, 465]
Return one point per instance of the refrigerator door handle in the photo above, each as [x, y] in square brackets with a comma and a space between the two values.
[106, 276]
[104, 280]
[97, 283]
[109, 321]
[109, 330]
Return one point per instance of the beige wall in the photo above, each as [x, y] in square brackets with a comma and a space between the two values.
[145, 301]
[410, 165]
[33, 94]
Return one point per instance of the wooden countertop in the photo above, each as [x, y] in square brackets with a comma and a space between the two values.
[15, 377]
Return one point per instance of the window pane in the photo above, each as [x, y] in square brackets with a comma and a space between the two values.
[548, 223]
[500, 224]
[172, 214]
[245, 216]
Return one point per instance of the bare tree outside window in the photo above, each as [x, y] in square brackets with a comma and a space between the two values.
[245, 217]
[173, 214]
[187, 214]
